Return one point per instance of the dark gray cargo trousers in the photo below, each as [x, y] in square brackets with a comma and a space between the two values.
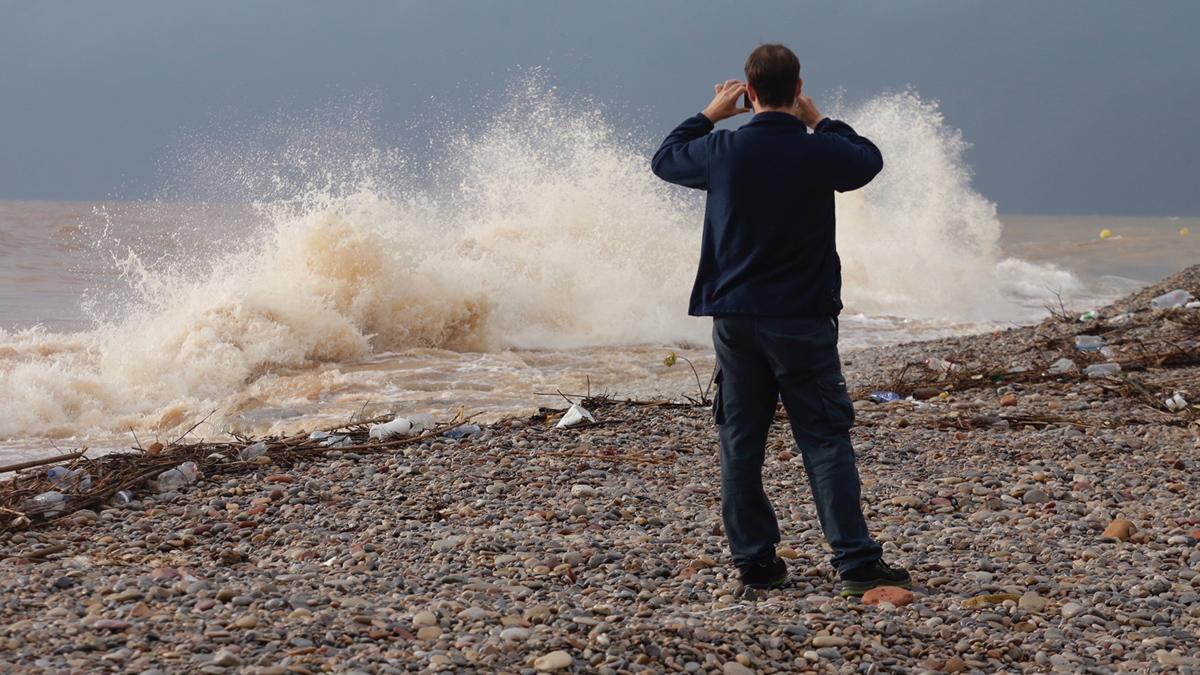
[759, 361]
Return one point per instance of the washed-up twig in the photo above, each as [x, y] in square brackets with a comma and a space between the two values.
[45, 551]
[41, 462]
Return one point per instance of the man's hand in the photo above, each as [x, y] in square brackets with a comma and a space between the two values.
[806, 110]
[725, 104]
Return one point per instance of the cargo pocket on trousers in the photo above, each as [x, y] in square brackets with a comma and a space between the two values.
[718, 399]
[839, 409]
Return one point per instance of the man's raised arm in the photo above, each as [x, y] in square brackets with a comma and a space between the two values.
[683, 157]
[854, 160]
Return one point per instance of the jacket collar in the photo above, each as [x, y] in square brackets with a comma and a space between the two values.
[775, 117]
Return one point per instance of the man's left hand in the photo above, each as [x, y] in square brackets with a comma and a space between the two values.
[725, 104]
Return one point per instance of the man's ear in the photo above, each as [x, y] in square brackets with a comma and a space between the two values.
[750, 92]
[799, 85]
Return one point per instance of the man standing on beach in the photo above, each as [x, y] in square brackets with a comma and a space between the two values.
[771, 279]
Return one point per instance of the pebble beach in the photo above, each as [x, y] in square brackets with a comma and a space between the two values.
[1050, 522]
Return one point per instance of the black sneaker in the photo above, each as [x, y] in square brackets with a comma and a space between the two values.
[873, 575]
[768, 575]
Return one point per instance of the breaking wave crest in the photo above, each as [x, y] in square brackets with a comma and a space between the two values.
[544, 231]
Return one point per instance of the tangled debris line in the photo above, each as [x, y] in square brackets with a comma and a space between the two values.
[135, 471]
[1156, 355]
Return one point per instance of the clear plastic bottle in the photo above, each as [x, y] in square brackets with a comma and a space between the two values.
[1089, 343]
[1102, 369]
[122, 498]
[67, 479]
[939, 365]
[1176, 298]
[251, 451]
[400, 426]
[184, 474]
[1063, 365]
[49, 501]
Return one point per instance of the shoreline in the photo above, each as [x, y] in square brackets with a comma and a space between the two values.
[603, 543]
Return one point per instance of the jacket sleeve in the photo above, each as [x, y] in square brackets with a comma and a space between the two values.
[683, 157]
[853, 160]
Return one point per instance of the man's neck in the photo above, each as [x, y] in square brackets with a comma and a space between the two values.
[764, 109]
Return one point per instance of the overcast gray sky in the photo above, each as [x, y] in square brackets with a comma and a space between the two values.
[1071, 107]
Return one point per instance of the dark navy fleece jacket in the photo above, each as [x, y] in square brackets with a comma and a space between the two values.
[769, 245]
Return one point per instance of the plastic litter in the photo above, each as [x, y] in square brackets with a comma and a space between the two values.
[402, 426]
[251, 451]
[1195, 304]
[939, 365]
[184, 474]
[576, 414]
[464, 431]
[122, 498]
[1090, 315]
[1102, 369]
[1176, 298]
[1108, 351]
[1063, 365]
[66, 479]
[48, 502]
[1176, 402]
[1088, 343]
[884, 396]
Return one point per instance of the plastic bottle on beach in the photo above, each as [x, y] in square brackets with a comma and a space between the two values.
[184, 474]
[1089, 343]
[122, 498]
[1176, 298]
[49, 501]
[1102, 369]
[397, 427]
[939, 365]
[464, 431]
[1063, 365]
[251, 451]
[67, 479]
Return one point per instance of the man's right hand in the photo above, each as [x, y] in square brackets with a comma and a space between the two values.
[725, 103]
[806, 110]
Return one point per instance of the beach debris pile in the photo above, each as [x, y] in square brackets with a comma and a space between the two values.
[1141, 354]
[35, 495]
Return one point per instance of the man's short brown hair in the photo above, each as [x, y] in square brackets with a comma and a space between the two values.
[773, 71]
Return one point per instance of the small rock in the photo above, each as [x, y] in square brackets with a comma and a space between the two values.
[429, 633]
[424, 618]
[1120, 529]
[990, 599]
[788, 553]
[735, 668]
[225, 659]
[1035, 496]
[892, 595]
[829, 641]
[581, 490]
[1072, 610]
[955, 664]
[556, 660]
[246, 621]
[515, 634]
[1032, 602]
[1007, 400]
